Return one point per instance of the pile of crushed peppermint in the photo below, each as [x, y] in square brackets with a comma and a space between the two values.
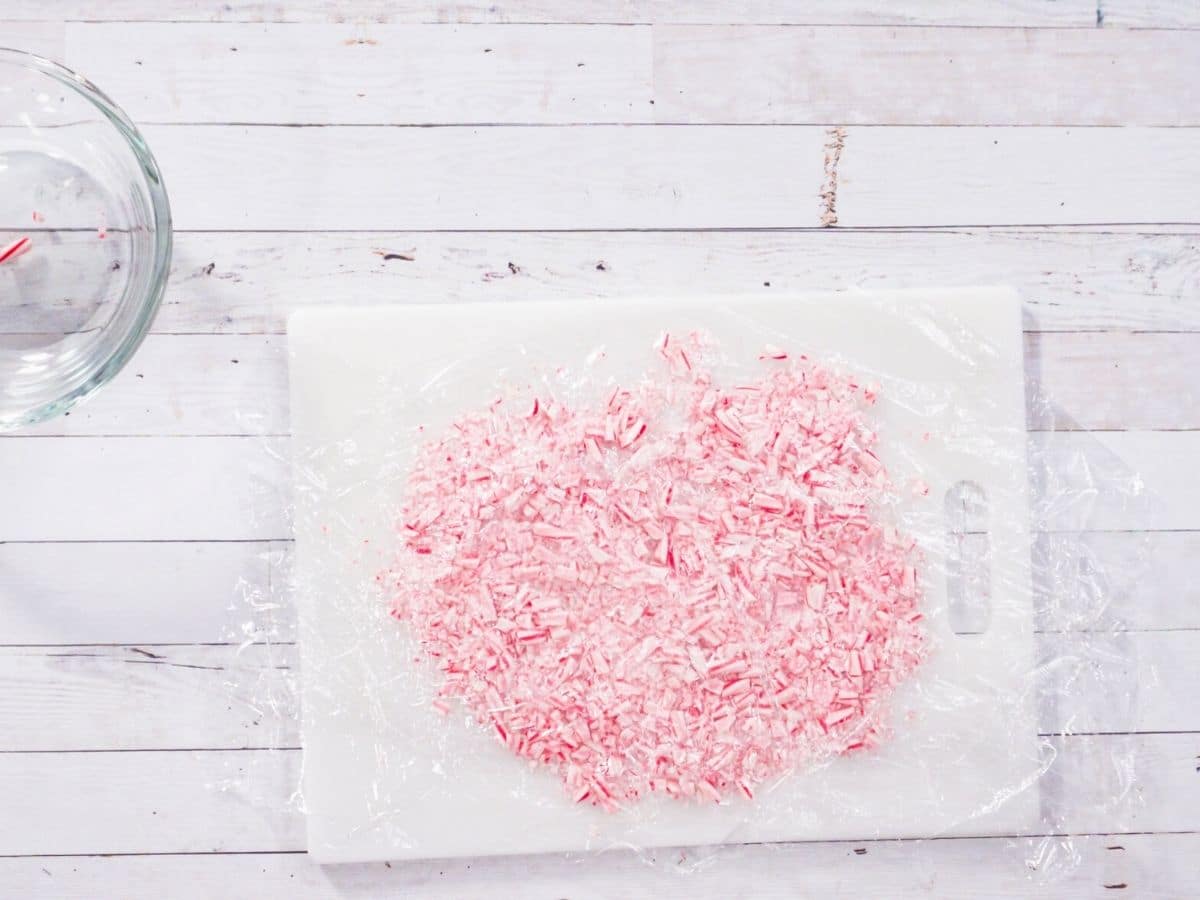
[684, 588]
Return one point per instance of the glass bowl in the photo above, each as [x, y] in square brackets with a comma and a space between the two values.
[86, 227]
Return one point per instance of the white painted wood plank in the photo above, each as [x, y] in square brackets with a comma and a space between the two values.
[1070, 280]
[189, 385]
[149, 697]
[143, 488]
[1017, 176]
[926, 76]
[200, 801]
[46, 39]
[404, 74]
[237, 385]
[1112, 380]
[1150, 13]
[1120, 480]
[372, 178]
[1107, 581]
[156, 592]
[176, 802]
[369, 74]
[486, 178]
[1154, 867]
[1023, 13]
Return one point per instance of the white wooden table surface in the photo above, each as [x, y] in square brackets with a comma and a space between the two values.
[562, 148]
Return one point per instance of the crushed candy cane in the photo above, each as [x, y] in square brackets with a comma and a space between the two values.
[15, 249]
[685, 589]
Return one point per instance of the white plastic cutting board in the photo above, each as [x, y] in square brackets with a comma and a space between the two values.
[386, 777]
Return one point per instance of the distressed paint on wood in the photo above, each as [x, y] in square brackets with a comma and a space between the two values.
[381, 74]
[1022, 13]
[1070, 280]
[547, 74]
[1018, 176]
[237, 385]
[155, 592]
[917, 76]
[605, 177]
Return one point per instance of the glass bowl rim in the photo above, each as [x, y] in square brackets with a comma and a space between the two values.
[102, 369]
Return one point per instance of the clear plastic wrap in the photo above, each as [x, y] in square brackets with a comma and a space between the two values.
[1018, 653]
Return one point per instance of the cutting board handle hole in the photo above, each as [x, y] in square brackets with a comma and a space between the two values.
[968, 559]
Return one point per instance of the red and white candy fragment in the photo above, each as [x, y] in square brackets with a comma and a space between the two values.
[686, 610]
[15, 249]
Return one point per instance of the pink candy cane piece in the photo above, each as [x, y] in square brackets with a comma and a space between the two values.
[770, 351]
[15, 249]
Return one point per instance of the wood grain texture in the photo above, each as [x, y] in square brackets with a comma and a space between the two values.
[224, 177]
[544, 74]
[157, 592]
[919, 76]
[377, 74]
[1023, 13]
[153, 697]
[144, 488]
[150, 697]
[1015, 176]
[48, 39]
[1070, 280]
[603, 177]
[186, 801]
[1149, 13]
[1155, 867]
[238, 801]
[189, 385]
[1063, 370]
